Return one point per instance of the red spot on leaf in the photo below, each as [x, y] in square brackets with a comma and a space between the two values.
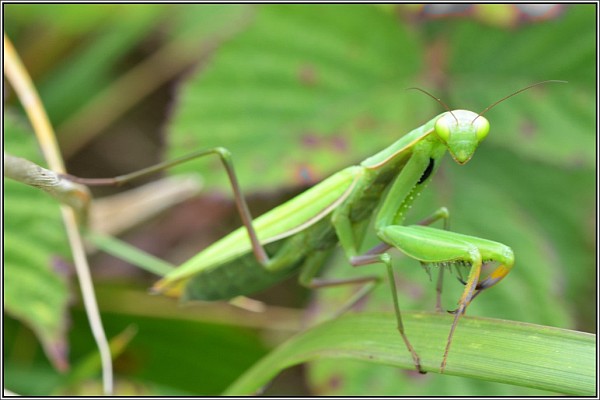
[528, 129]
[335, 382]
[308, 75]
[310, 140]
[339, 143]
[366, 122]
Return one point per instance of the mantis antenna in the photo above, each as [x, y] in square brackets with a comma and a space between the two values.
[436, 99]
[488, 108]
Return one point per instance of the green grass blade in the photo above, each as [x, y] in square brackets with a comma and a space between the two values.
[510, 352]
[130, 253]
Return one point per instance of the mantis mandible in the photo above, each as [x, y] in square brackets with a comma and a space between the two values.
[299, 234]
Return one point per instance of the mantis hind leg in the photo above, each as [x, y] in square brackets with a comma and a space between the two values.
[378, 255]
[311, 267]
[225, 157]
[313, 264]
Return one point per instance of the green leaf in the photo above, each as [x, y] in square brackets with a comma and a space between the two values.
[299, 93]
[92, 58]
[91, 365]
[554, 123]
[130, 253]
[521, 354]
[35, 292]
[170, 349]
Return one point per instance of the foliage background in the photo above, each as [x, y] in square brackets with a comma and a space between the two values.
[296, 92]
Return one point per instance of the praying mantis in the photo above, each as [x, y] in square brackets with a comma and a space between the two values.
[299, 235]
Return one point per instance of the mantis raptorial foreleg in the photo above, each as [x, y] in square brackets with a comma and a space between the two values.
[444, 214]
[433, 245]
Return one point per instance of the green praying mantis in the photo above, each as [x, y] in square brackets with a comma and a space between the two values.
[299, 235]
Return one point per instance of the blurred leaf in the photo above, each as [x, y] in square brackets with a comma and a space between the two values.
[91, 66]
[553, 123]
[520, 354]
[546, 50]
[91, 365]
[300, 92]
[74, 19]
[184, 356]
[196, 22]
[93, 56]
[35, 292]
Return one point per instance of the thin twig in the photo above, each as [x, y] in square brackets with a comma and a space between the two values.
[21, 82]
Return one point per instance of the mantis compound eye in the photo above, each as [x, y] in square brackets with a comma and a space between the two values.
[443, 126]
[482, 127]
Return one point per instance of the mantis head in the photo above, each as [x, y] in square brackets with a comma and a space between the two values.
[461, 131]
